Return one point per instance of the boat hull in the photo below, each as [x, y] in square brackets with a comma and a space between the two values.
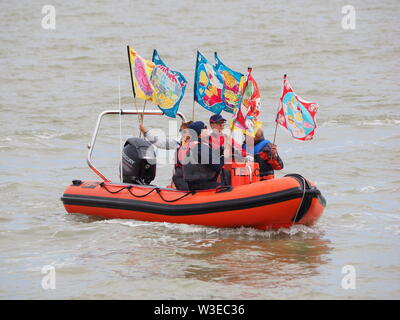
[263, 205]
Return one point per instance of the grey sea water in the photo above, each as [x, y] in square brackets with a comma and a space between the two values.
[54, 83]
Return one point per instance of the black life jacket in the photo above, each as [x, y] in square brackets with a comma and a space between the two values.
[177, 176]
[193, 169]
[178, 180]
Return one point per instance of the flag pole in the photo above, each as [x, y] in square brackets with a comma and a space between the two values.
[195, 83]
[276, 118]
[144, 108]
[249, 69]
[120, 126]
[276, 127]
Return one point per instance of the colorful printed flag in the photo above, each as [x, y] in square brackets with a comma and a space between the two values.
[208, 85]
[233, 82]
[141, 70]
[245, 118]
[295, 114]
[169, 87]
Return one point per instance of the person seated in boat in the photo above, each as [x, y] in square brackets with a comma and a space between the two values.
[171, 144]
[265, 154]
[202, 164]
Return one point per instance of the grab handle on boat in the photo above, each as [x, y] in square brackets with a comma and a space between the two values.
[118, 112]
[250, 173]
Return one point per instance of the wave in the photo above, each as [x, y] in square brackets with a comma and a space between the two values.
[368, 189]
[296, 230]
[359, 122]
[378, 122]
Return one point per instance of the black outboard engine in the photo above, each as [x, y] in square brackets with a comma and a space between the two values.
[138, 161]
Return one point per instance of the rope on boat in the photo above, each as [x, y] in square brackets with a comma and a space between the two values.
[137, 196]
[186, 194]
[158, 190]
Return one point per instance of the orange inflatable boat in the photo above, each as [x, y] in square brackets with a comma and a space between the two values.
[247, 202]
[266, 204]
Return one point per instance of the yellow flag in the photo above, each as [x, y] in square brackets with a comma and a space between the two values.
[141, 70]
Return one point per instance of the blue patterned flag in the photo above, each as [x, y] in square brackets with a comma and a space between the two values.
[233, 82]
[208, 85]
[169, 87]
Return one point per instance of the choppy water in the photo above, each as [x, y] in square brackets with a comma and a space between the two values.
[54, 83]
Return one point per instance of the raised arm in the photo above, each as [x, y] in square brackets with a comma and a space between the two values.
[159, 142]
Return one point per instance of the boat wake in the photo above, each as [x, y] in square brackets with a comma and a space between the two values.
[295, 231]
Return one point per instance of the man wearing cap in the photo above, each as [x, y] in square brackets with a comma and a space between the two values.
[202, 163]
[217, 137]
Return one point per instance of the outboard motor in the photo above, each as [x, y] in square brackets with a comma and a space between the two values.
[138, 161]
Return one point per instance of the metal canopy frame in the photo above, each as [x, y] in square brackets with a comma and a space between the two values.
[121, 112]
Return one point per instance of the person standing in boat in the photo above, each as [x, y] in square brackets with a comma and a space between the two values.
[217, 138]
[171, 144]
[265, 154]
[202, 164]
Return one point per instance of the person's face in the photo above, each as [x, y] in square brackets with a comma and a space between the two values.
[204, 133]
[184, 134]
[258, 134]
[218, 126]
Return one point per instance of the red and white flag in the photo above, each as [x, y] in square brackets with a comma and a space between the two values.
[245, 118]
[296, 115]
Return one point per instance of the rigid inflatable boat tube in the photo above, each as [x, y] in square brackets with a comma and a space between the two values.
[190, 209]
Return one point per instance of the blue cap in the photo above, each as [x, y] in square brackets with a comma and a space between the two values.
[197, 126]
[217, 118]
